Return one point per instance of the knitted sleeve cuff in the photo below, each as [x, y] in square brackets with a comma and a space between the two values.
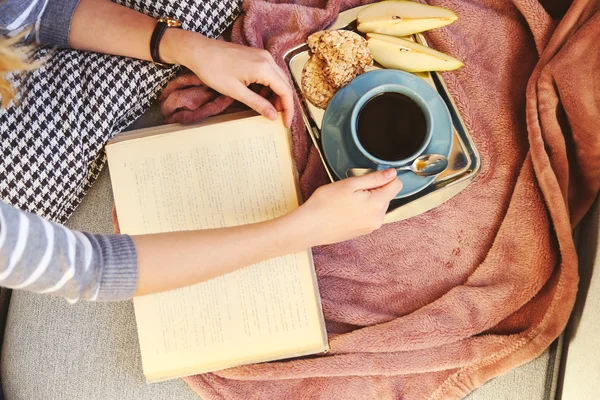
[54, 26]
[119, 276]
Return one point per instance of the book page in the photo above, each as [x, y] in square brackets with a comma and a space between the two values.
[214, 176]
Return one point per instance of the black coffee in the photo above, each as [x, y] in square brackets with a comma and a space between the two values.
[391, 126]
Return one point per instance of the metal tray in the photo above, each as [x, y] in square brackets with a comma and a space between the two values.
[464, 159]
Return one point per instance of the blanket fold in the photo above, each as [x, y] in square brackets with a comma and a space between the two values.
[434, 306]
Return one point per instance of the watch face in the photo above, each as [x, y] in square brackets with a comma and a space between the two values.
[172, 22]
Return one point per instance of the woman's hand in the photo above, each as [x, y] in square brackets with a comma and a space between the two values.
[348, 208]
[230, 68]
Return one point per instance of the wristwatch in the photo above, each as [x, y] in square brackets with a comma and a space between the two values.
[157, 34]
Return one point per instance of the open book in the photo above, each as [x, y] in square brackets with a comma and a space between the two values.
[227, 171]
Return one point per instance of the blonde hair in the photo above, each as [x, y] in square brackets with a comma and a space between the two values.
[12, 58]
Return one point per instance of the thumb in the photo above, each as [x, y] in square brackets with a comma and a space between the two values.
[373, 180]
[388, 191]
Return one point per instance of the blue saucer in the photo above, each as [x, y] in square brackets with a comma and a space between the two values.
[340, 151]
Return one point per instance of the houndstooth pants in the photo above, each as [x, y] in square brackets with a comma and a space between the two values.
[52, 137]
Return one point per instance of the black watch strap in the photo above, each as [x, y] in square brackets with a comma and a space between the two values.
[159, 31]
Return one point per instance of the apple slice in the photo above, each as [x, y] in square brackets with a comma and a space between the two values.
[397, 53]
[401, 18]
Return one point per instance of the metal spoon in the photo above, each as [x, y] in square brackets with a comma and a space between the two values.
[424, 165]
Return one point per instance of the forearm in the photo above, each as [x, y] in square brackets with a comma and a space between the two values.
[172, 260]
[334, 213]
[106, 27]
[44, 257]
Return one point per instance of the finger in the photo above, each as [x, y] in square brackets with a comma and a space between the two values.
[281, 88]
[276, 67]
[287, 115]
[373, 180]
[254, 101]
[280, 72]
[388, 191]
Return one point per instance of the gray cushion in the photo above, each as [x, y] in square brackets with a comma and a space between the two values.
[56, 351]
[535, 380]
[581, 363]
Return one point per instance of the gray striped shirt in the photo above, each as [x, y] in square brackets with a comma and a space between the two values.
[49, 20]
[44, 257]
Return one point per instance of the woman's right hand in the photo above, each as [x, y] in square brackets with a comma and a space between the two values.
[230, 68]
[348, 208]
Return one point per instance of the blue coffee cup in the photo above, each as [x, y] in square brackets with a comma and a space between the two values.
[391, 88]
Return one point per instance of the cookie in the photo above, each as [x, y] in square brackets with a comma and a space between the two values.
[345, 54]
[315, 86]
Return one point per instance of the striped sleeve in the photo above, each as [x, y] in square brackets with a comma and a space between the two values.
[17, 15]
[49, 21]
[44, 257]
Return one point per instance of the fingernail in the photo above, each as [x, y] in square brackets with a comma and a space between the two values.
[271, 114]
[389, 173]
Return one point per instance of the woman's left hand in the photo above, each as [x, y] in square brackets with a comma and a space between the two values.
[230, 68]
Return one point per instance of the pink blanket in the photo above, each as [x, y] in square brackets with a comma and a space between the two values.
[434, 306]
